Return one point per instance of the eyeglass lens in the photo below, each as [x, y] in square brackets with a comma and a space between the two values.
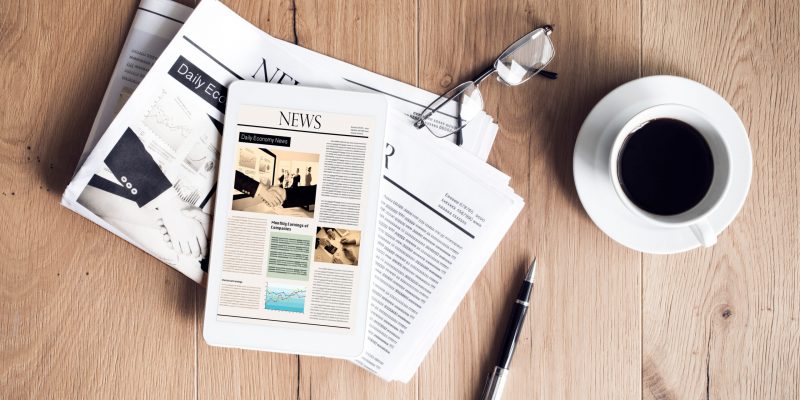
[453, 110]
[525, 58]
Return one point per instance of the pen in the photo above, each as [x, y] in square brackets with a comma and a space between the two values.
[497, 378]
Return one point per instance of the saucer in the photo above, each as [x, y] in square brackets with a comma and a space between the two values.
[593, 178]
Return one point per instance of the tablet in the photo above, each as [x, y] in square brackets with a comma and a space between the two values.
[294, 226]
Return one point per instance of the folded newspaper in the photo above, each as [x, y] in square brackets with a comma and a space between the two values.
[151, 176]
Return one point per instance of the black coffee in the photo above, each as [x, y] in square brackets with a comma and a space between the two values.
[665, 167]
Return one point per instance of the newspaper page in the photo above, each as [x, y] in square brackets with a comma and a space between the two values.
[151, 177]
[154, 25]
[296, 212]
[440, 221]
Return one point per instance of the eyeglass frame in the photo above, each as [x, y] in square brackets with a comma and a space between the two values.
[420, 122]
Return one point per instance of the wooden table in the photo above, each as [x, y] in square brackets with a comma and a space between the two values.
[85, 315]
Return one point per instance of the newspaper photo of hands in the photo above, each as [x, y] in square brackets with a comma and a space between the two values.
[337, 246]
[135, 196]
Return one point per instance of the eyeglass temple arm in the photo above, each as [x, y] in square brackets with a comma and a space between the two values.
[420, 122]
[489, 71]
[548, 74]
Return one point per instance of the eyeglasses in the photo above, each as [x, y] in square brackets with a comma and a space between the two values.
[452, 111]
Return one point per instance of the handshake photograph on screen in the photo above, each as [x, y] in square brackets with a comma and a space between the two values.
[270, 181]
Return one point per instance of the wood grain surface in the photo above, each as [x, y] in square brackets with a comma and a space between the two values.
[84, 315]
[724, 322]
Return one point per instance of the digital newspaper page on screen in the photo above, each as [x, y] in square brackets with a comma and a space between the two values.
[293, 234]
[296, 212]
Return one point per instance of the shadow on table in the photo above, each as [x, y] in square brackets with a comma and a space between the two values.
[65, 132]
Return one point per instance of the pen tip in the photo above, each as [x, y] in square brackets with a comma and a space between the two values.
[531, 271]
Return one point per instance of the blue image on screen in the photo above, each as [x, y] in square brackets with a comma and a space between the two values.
[286, 298]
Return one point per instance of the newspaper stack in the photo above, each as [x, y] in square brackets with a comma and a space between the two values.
[153, 165]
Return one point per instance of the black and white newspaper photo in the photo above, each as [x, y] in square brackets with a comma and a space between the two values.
[151, 177]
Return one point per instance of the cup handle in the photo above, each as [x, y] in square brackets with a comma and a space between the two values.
[704, 232]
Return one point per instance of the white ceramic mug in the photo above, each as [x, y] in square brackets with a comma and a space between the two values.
[696, 217]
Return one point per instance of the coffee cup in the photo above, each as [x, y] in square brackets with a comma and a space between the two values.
[670, 166]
